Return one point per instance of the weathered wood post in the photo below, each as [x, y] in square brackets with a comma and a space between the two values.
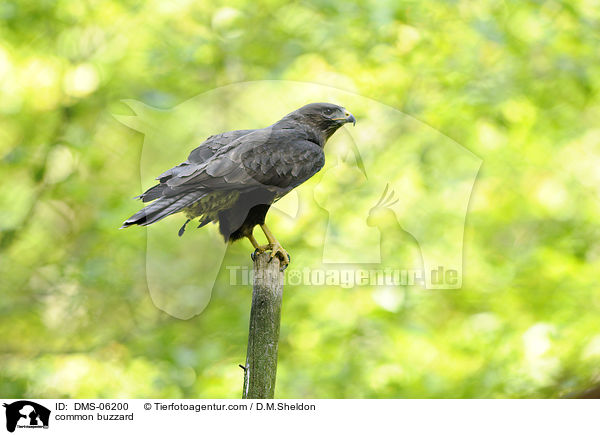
[263, 338]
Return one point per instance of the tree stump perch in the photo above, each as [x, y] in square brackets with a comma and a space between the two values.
[263, 338]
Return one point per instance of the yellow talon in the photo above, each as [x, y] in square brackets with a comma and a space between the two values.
[274, 246]
[284, 257]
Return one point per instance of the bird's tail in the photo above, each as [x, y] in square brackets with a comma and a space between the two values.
[162, 208]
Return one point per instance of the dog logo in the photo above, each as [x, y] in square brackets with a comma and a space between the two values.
[26, 414]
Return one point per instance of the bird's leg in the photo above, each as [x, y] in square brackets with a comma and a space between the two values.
[276, 248]
[254, 242]
[257, 248]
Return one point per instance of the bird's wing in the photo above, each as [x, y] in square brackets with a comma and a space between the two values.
[202, 153]
[268, 158]
[276, 160]
[286, 165]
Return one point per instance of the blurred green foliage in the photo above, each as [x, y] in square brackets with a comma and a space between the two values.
[516, 82]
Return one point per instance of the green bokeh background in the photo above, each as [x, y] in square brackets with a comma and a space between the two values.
[515, 82]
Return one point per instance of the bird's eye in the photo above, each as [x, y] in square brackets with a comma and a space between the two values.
[328, 111]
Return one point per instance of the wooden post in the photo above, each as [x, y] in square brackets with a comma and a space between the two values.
[263, 338]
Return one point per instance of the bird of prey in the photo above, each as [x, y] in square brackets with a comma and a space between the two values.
[233, 178]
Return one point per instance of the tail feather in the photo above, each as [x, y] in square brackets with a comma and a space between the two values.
[162, 208]
[153, 193]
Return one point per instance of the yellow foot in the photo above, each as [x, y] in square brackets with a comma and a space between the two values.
[276, 250]
[284, 257]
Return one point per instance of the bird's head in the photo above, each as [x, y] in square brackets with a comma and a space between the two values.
[325, 117]
[326, 114]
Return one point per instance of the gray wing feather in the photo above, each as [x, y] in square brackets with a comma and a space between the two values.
[275, 160]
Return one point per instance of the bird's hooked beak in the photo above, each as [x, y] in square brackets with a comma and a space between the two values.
[348, 118]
